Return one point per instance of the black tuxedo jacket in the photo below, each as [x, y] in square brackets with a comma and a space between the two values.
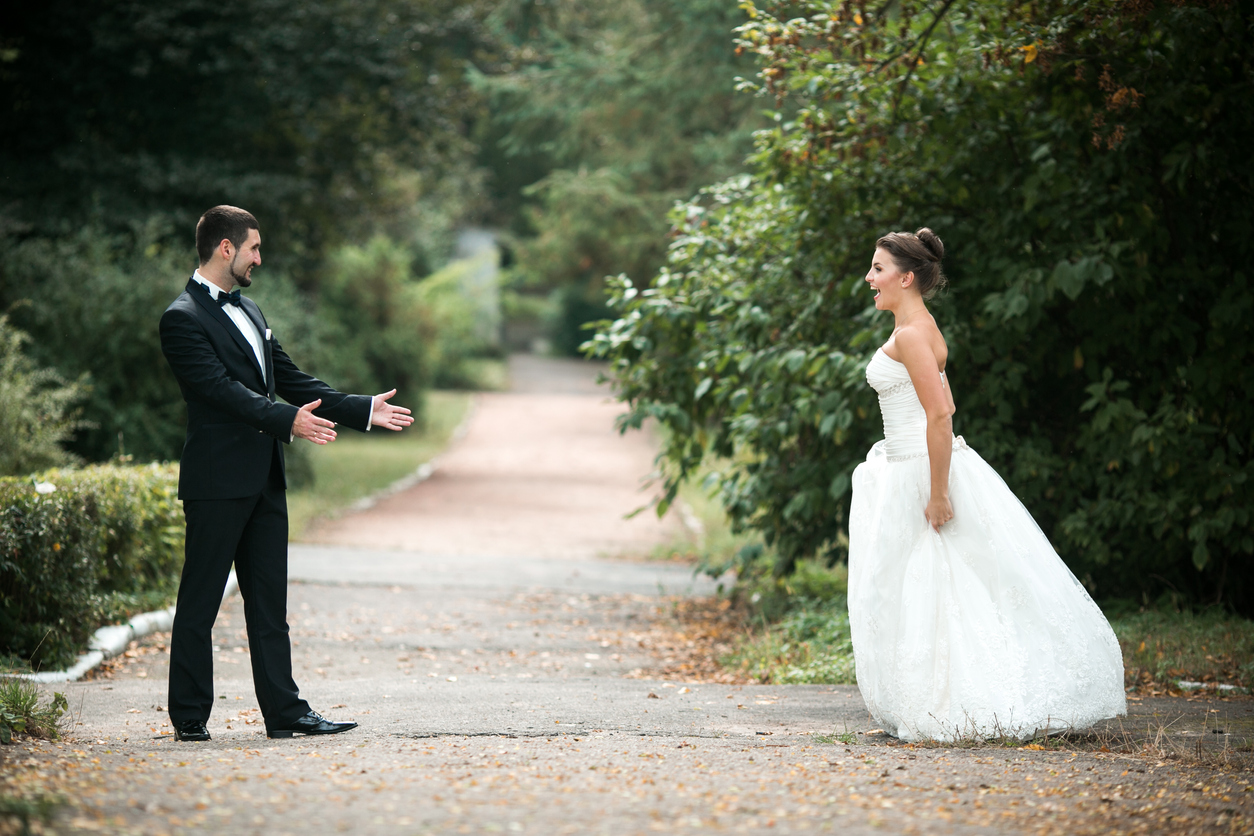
[234, 424]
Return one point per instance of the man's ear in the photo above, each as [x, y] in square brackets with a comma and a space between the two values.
[226, 249]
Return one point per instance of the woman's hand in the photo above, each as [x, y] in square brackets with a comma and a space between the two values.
[938, 511]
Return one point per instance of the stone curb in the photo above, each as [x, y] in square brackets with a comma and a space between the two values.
[112, 640]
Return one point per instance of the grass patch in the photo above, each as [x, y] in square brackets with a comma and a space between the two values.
[847, 738]
[799, 628]
[1163, 646]
[356, 465]
[807, 647]
[24, 711]
[793, 635]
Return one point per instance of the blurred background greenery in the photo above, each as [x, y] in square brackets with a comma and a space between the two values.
[440, 183]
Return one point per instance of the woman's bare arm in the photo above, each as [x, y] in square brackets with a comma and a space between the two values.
[921, 362]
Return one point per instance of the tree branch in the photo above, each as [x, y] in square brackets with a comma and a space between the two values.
[901, 91]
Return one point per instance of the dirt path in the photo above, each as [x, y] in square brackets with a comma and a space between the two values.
[537, 474]
[494, 662]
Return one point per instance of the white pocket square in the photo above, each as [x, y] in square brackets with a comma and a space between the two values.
[268, 332]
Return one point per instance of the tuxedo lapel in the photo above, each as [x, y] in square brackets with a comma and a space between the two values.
[199, 293]
[254, 316]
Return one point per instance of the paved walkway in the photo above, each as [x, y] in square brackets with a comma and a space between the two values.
[475, 630]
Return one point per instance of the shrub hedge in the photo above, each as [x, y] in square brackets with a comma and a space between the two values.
[105, 542]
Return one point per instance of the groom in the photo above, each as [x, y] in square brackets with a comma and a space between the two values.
[231, 478]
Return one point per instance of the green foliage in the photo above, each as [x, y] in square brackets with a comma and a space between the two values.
[89, 551]
[614, 111]
[36, 409]
[322, 118]
[802, 633]
[380, 332]
[1079, 158]
[91, 302]
[23, 711]
[461, 301]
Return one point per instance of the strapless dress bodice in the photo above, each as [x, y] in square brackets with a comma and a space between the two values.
[905, 420]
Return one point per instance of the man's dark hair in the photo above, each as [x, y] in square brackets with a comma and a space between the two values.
[229, 222]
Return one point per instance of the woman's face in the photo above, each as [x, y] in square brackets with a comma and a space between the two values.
[886, 280]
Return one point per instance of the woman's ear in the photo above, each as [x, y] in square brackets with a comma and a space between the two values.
[907, 279]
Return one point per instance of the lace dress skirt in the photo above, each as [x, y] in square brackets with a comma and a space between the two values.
[978, 631]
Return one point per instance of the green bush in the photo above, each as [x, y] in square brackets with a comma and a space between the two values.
[106, 543]
[381, 334]
[392, 329]
[36, 414]
[1081, 160]
[462, 300]
[90, 302]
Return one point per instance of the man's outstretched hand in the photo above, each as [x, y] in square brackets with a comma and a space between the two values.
[388, 416]
[312, 428]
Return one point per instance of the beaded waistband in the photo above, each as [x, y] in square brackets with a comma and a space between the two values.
[960, 443]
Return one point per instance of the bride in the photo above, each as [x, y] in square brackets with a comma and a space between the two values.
[966, 624]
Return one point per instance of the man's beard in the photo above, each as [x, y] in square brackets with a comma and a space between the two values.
[241, 279]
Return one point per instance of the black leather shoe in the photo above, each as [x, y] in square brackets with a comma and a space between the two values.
[311, 723]
[191, 730]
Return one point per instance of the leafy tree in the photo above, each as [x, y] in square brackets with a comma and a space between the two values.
[604, 115]
[1085, 162]
[37, 409]
[313, 115]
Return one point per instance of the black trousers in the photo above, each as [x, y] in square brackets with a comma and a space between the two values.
[252, 534]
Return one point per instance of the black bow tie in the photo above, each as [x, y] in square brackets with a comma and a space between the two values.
[232, 297]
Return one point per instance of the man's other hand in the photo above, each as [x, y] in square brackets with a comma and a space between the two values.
[312, 428]
[388, 416]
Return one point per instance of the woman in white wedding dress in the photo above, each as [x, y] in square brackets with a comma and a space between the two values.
[966, 624]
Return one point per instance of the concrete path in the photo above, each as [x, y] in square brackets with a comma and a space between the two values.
[493, 656]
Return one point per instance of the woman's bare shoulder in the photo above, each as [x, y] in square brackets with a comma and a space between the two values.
[923, 335]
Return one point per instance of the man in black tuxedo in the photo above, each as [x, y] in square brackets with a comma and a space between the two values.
[231, 479]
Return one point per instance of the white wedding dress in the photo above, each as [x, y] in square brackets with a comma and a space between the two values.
[979, 630]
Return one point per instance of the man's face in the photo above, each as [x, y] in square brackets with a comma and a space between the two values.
[246, 258]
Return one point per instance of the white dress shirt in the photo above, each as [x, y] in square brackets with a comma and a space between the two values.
[241, 320]
[249, 330]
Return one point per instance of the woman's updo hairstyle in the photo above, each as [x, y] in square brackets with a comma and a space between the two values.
[919, 253]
